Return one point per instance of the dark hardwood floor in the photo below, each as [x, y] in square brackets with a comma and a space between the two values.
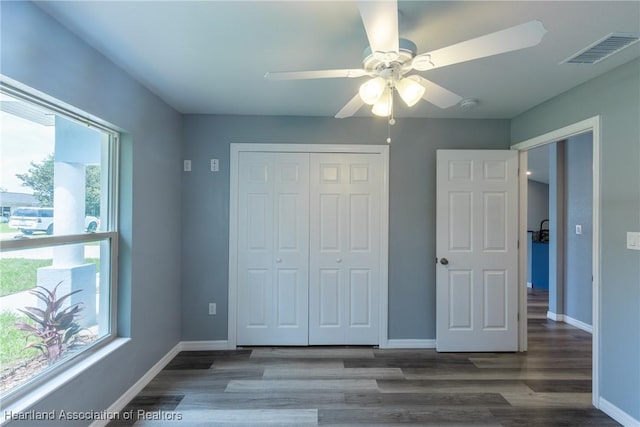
[550, 385]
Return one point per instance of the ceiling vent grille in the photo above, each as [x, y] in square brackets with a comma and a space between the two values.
[603, 48]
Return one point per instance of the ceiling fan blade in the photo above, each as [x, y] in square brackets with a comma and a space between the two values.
[380, 19]
[350, 109]
[319, 74]
[513, 38]
[436, 94]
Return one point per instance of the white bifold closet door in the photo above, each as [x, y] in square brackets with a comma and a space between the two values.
[308, 248]
[273, 249]
[345, 249]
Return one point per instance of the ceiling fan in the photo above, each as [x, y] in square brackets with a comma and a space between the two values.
[389, 60]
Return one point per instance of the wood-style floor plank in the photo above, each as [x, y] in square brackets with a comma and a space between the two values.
[300, 386]
[550, 385]
[341, 373]
[239, 417]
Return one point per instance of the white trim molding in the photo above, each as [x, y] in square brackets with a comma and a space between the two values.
[592, 125]
[618, 414]
[409, 343]
[205, 345]
[570, 321]
[234, 153]
[133, 391]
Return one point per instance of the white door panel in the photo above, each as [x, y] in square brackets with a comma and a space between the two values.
[477, 235]
[344, 248]
[273, 249]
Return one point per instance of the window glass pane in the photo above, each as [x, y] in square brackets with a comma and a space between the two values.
[56, 287]
[27, 277]
[54, 173]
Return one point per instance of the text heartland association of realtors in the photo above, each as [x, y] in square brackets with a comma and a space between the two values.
[63, 415]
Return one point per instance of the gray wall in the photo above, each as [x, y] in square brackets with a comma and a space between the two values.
[578, 210]
[537, 204]
[40, 53]
[614, 96]
[412, 206]
[557, 151]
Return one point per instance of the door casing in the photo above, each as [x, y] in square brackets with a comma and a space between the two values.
[588, 125]
[235, 149]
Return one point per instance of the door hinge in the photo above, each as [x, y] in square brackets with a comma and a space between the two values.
[518, 244]
[518, 317]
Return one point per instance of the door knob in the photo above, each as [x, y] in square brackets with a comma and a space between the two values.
[339, 260]
[278, 260]
[444, 261]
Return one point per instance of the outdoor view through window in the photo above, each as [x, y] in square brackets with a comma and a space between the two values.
[57, 239]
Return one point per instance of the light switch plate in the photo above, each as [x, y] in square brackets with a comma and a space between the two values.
[187, 165]
[578, 229]
[633, 240]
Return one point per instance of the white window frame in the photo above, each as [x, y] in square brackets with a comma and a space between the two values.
[26, 394]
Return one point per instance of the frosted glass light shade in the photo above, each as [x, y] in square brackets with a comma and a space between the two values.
[384, 104]
[410, 91]
[371, 90]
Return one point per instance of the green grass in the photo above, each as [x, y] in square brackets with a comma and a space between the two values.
[4, 228]
[12, 340]
[19, 274]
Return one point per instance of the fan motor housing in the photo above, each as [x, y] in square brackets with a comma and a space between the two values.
[381, 63]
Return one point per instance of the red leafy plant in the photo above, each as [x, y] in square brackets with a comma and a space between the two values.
[55, 328]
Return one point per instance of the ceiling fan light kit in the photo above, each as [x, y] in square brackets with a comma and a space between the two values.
[410, 91]
[389, 59]
[384, 105]
[371, 90]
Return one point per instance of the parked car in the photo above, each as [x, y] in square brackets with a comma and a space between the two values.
[31, 220]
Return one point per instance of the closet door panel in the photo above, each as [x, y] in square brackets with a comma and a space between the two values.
[344, 240]
[273, 249]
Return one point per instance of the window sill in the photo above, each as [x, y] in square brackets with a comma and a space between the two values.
[25, 402]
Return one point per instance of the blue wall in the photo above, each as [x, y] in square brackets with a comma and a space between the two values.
[40, 53]
[412, 191]
[614, 96]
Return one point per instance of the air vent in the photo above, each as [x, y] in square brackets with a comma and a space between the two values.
[603, 48]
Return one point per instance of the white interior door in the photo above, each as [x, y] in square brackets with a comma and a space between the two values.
[345, 248]
[273, 249]
[477, 250]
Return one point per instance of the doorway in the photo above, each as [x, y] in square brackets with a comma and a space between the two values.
[590, 125]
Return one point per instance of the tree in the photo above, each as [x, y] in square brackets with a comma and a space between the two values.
[39, 178]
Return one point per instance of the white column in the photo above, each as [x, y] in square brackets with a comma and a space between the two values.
[68, 208]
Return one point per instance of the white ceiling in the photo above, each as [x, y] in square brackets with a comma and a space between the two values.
[210, 57]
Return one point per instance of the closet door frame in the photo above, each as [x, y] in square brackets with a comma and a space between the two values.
[235, 150]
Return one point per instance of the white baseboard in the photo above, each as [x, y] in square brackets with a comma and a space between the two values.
[205, 345]
[409, 343]
[617, 414]
[556, 317]
[570, 321]
[120, 404]
[578, 324]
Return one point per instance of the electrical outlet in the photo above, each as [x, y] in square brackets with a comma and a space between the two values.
[212, 308]
[187, 165]
[633, 240]
[215, 165]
